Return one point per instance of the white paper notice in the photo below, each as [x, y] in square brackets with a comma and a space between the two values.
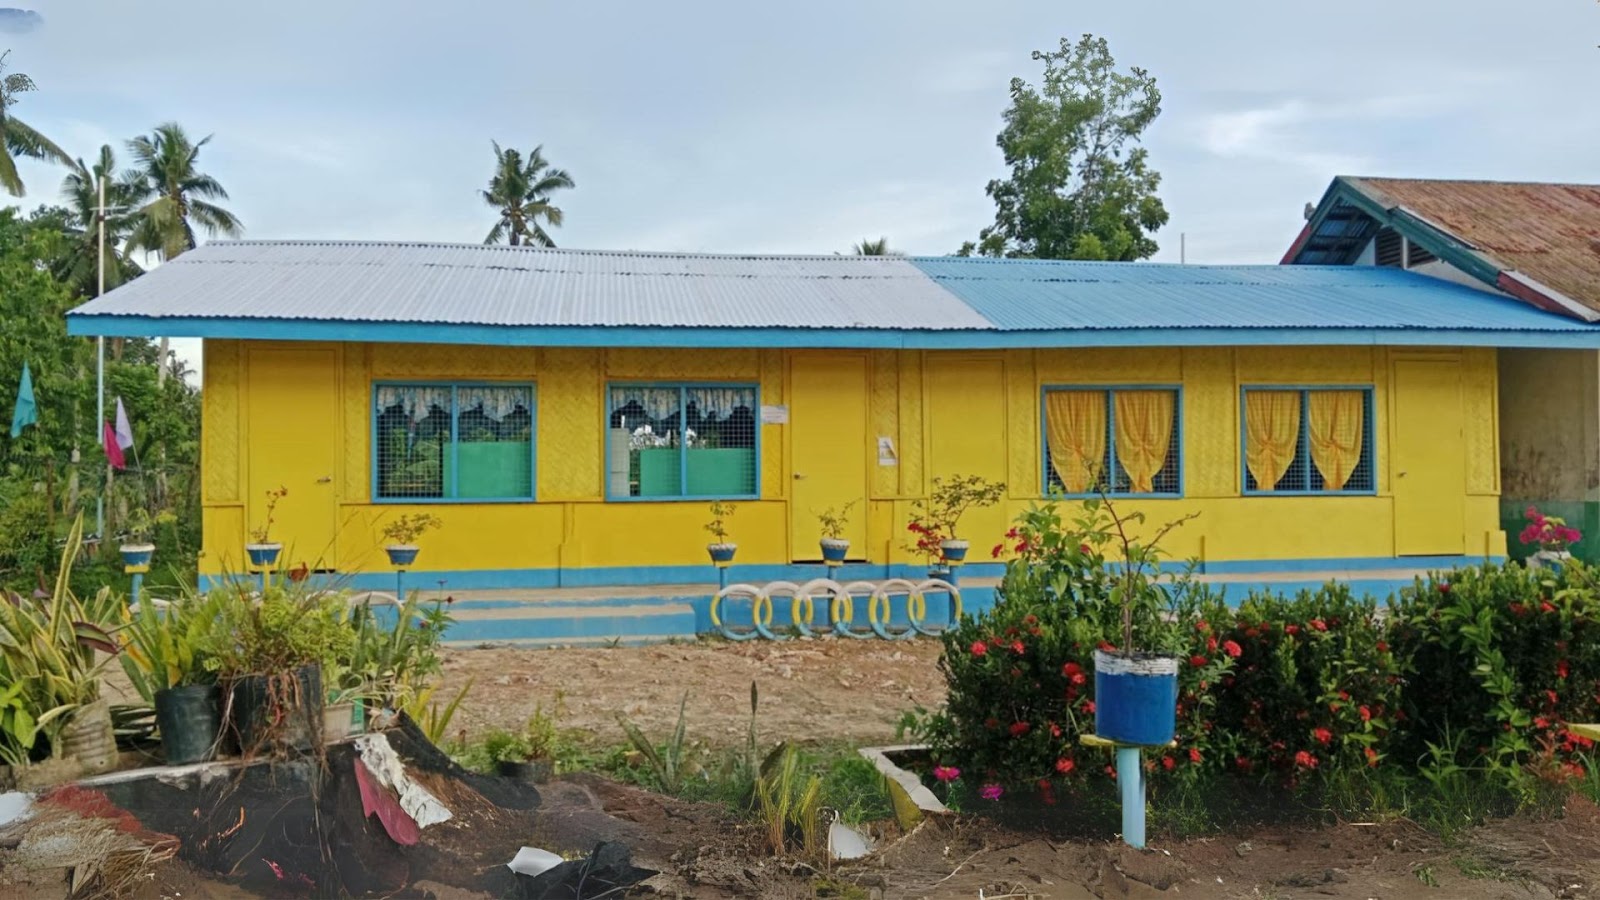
[774, 415]
[886, 454]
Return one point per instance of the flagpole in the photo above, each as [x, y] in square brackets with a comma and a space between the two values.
[100, 366]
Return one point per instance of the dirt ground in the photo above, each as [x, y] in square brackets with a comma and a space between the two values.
[815, 691]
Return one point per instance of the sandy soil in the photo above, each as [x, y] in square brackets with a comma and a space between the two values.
[816, 691]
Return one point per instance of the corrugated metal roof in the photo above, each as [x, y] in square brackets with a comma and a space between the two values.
[474, 284]
[1549, 232]
[1047, 295]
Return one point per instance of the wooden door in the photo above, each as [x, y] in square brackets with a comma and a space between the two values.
[293, 443]
[829, 442]
[1429, 464]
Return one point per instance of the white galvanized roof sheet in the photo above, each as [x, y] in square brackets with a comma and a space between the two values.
[473, 284]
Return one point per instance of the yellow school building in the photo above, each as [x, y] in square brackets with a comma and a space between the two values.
[569, 415]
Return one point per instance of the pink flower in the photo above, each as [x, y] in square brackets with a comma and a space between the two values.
[991, 792]
[946, 774]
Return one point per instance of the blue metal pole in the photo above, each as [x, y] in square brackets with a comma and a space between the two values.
[1130, 775]
[138, 584]
[399, 585]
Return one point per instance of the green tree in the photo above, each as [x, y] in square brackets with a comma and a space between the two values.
[520, 192]
[180, 194]
[879, 247]
[1080, 187]
[126, 192]
[20, 138]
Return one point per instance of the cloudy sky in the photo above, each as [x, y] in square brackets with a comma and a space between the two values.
[798, 126]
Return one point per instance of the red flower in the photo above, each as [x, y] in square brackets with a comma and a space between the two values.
[1055, 730]
[1211, 644]
[1243, 762]
[998, 549]
[1383, 646]
[1322, 735]
[991, 723]
[1197, 661]
[1017, 647]
[1088, 707]
[1562, 669]
[1018, 729]
[1291, 629]
[1305, 760]
[1444, 587]
[1064, 765]
[1232, 648]
[1318, 624]
[1551, 696]
[1545, 606]
[1106, 647]
[1085, 549]
[1194, 754]
[1167, 762]
[1030, 619]
[1372, 756]
[1366, 714]
[1541, 722]
[1071, 669]
[979, 648]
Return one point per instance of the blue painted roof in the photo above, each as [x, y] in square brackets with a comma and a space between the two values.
[1046, 295]
[472, 294]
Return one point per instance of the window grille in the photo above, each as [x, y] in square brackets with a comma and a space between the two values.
[682, 441]
[453, 442]
[1094, 442]
[1313, 438]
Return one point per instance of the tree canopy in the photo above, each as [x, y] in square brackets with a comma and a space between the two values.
[520, 192]
[17, 138]
[1080, 187]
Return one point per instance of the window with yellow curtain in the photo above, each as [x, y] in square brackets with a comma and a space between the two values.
[1122, 441]
[1308, 440]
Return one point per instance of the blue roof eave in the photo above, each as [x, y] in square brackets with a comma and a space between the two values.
[1573, 338]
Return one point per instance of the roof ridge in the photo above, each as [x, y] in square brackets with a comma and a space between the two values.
[552, 251]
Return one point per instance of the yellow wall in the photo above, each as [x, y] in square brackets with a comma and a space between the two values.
[946, 413]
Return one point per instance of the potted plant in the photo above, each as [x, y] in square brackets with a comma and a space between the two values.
[525, 755]
[402, 535]
[1136, 692]
[268, 654]
[263, 550]
[722, 549]
[1552, 535]
[164, 652]
[136, 548]
[835, 522]
[936, 518]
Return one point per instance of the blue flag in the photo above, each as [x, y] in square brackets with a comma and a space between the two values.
[27, 411]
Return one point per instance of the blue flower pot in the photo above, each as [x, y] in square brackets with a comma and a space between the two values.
[137, 555]
[834, 550]
[722, 554]
[1135, 699]
[954, 551]
[402, 555]
[263, 556]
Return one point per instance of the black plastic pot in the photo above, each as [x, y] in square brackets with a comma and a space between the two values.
[533, 771]
[282, 711]
[190, 720]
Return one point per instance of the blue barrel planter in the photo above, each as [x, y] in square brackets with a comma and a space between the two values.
[1135, 698]
[263, 556]
[834, 550]
[954, 551]
[402, 555]
[136, 556]
[722, 554]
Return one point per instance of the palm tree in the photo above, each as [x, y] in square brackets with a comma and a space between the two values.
[520, 191]
[125, 193]
[179, 193]
[879, 247]
[20, 138]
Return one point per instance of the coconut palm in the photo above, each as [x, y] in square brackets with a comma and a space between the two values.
[125, 193]
[520, 191]
[180, 194]
[20, 138]
[879, 247]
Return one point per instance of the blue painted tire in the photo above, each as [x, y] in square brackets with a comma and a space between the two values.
[1135, 698]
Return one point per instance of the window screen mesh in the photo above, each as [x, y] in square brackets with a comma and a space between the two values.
[681, 441]
[1095, 443]
[454, 442]
[1321, 440]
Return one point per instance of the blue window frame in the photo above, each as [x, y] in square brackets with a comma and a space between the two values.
[1332, 428]
[1109, 472]
[452, 442]
[683, 441]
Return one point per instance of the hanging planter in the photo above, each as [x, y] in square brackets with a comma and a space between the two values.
[137, 556]
[1136, 698]
[954, 550]
[402, 535]
[401, 556]
[263, 556]
[834, 550]
[722, 550]
[190, 720]
[834, 522]
[722, 554]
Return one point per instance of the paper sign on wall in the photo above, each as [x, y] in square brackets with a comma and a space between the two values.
[886, 454]
[774, 415]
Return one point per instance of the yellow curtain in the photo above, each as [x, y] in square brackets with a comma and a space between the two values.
[1075, 426]
[1336, 422]
[1272, 428]
[1144, 435]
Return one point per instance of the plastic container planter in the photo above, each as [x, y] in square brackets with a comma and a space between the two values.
[954, 551]
[402, 555]
[722, 554]
[282, 711]
[190, 718]
[834, 550]
[137, 556]
[1135, 698]
[263, 556]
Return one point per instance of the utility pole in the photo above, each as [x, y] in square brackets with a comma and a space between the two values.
[100, 364]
